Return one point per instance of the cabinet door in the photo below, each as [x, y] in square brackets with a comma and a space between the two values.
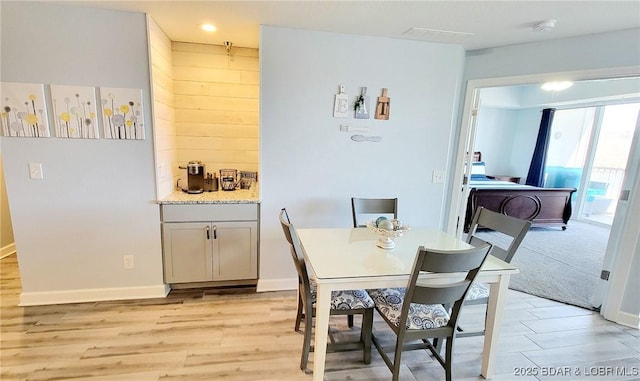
[187, 252]
[235, 250]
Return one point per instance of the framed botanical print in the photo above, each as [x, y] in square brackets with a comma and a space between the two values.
[24, 112]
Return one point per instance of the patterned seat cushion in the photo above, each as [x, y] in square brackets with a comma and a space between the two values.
[389, 302]
[344, 299]
[477, 291]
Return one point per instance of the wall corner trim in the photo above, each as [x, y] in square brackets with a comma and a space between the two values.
[92, 295]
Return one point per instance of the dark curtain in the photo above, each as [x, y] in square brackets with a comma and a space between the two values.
[535, 176]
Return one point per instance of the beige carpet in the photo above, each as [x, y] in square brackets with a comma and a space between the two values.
[559, 265]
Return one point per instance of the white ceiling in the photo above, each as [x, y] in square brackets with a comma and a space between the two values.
[491, 23]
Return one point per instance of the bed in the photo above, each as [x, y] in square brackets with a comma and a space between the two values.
[541, 206]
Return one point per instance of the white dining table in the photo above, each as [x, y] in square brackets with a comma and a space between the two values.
[348, 258]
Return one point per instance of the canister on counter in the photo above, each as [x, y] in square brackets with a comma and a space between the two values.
[211, 183]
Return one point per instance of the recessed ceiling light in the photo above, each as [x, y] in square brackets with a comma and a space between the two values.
[556, 86]
[208, 27]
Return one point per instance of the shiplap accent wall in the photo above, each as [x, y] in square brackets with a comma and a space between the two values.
[216, 105]
[163, 109]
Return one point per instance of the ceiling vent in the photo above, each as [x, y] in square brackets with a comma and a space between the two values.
[436, 35]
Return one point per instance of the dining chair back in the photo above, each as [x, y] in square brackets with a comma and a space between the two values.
[304, 286]
[510, 228]
[348, 302]
[363, 208]
[428, 310]
[508, 233]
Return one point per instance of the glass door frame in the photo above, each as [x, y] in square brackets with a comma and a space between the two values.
[587, 166]
[581, 199]
[589, 160]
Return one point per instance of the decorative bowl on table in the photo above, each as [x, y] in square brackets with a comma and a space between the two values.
[387, 229]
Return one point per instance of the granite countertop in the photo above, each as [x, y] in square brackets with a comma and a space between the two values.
[238, 196]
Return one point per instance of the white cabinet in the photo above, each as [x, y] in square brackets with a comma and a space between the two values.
[205, 242]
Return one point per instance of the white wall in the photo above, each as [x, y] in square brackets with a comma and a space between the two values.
[524, 141]
[595, 51]
[496, 129]
[312, 168]
[507, 138]
[97, 199]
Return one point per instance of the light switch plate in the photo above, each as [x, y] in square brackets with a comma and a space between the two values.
[35, 171]
[437, 176]
[162, 170]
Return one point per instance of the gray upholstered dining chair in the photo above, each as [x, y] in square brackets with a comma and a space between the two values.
[347, 302]
[509, 234]
[361, 207]
[418, 312]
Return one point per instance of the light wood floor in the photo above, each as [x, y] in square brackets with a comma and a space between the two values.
[208, 335]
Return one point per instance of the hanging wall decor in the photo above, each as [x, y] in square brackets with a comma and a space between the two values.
[74, 112]
[24, 113]
[382, 107]
[122, 116]
[361, 105]
[341, 104]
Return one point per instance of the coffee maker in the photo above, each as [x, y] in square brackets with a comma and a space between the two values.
[195, 177]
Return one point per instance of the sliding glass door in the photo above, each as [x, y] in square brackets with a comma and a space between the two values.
[588, 150]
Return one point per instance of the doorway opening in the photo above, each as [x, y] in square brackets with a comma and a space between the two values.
[609, 296]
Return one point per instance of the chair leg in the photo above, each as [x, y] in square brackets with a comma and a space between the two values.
[437, 344]
[306, 346]
[396, 360]
[448, 359]
[350, 321]
[365, 334]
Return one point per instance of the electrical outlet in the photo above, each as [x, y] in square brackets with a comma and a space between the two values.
[35, 171]
[127, 261]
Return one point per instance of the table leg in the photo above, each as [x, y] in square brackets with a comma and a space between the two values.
[323, 305]
[495, 307]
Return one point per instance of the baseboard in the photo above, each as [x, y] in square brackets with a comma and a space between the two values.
[265, 285]
[7, 250]
[92, 295]
[630, 320]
